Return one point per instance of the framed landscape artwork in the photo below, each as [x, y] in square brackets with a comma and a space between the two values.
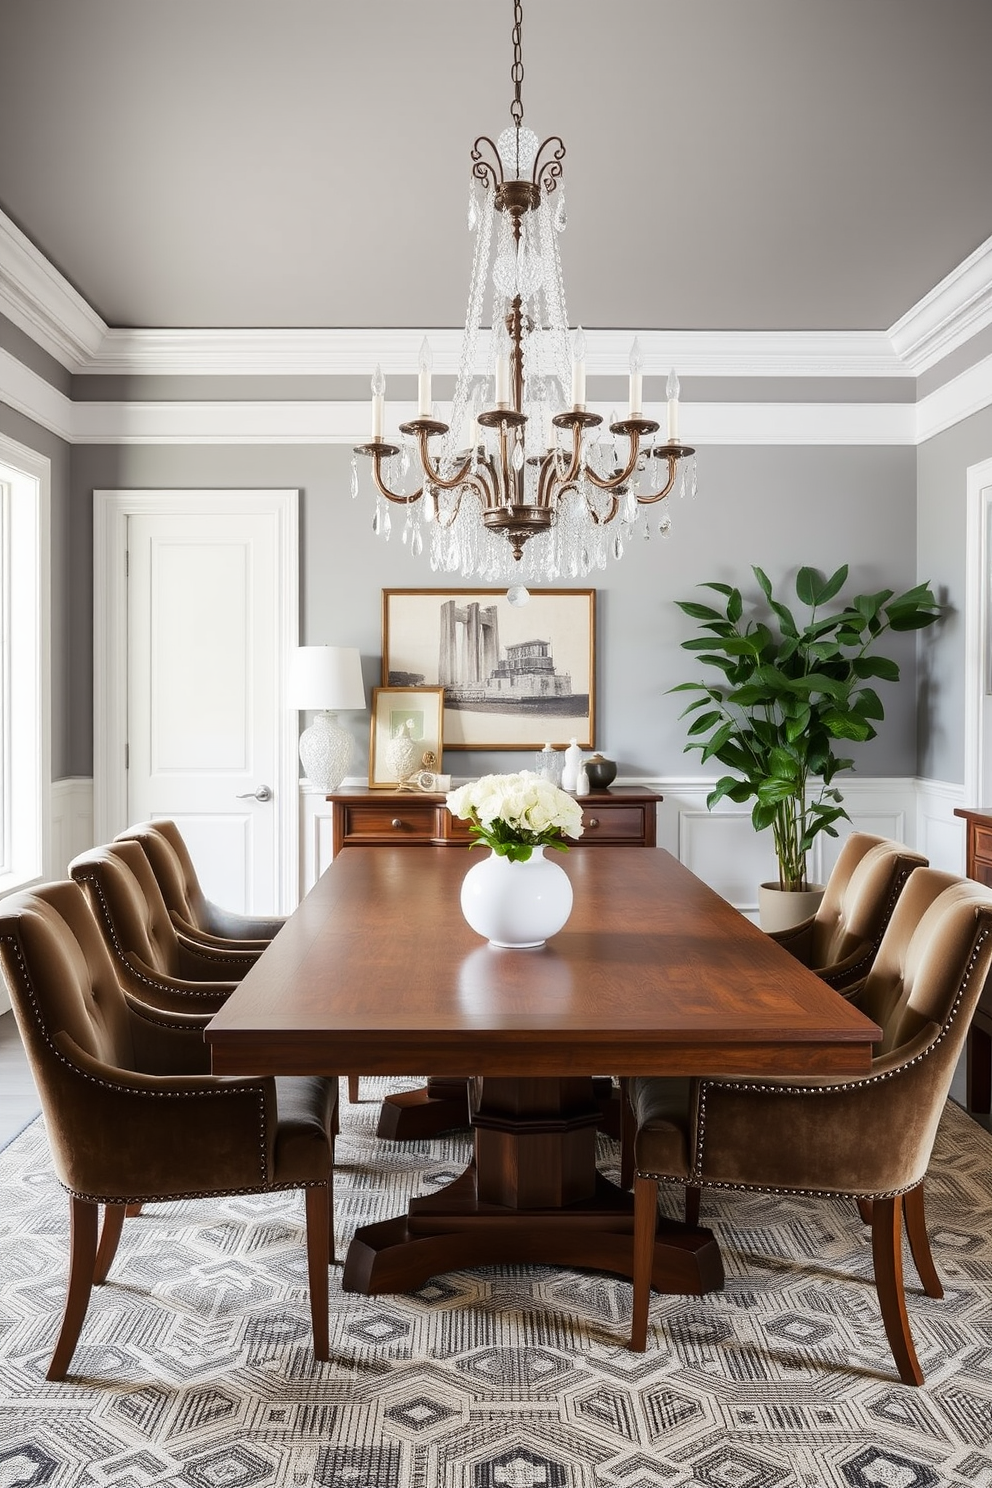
[514, 677]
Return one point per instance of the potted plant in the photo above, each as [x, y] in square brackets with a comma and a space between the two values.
[789, 689]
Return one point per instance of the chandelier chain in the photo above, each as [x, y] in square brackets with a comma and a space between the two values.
[517, 70]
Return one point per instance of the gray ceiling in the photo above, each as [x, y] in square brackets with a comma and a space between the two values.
[732, 164]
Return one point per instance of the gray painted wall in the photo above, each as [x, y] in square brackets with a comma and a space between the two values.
[778, 507]
[942, 465]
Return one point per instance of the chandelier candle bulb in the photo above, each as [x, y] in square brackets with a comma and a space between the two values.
[636, 379]
[672, 391]
[378, 402]
[579, 369]
[424, 380]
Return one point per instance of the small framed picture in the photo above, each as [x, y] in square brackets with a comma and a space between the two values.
[407, 725]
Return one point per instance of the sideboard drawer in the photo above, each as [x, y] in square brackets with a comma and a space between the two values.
[613, 824]
[393, 821]
[983, 846]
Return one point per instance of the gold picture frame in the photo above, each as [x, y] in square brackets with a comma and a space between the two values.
[393, 708]
[477, 646]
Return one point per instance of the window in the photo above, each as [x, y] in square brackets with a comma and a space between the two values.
[24, 683]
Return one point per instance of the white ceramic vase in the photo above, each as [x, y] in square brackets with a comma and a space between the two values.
[516, 905]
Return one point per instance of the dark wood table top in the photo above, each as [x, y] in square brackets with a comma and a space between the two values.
[653, 974]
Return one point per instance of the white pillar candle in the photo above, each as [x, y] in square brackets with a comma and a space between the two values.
[636, 379]
[424, 381]
[579, 369]
[378, 402]
[672, 389]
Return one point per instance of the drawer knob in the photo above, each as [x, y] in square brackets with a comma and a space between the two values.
[594, 821]
[396, 822]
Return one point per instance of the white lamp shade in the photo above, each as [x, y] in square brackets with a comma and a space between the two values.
[326, 677]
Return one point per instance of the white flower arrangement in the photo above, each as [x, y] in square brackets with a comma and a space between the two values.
[513, 814]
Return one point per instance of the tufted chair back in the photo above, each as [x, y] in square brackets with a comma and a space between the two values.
[167, 853]
[840, 941]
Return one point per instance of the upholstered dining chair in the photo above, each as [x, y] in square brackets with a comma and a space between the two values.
[154, 959]
[867, 1138]
[132, 1113]
[841, 940]
[194, 914]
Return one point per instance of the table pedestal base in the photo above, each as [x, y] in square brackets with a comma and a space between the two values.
[452, 1231]
[415, 1115]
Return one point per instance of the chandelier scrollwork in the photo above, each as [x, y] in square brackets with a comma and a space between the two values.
[520, 482]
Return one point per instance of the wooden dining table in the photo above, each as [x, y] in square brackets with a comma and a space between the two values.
[654, 974]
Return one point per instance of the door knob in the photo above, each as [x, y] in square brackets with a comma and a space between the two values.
[262, 794]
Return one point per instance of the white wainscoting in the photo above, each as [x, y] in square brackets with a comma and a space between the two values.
[71, 822]
[722, 848]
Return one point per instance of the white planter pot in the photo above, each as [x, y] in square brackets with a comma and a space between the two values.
[780, 909]
[516, 905]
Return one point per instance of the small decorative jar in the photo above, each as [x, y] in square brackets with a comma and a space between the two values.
[573, 763]
[601, 771]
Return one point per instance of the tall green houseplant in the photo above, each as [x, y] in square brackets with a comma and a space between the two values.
[788, 690]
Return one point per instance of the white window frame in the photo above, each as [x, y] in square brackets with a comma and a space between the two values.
[25, 665]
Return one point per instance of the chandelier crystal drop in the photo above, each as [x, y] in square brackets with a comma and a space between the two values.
[523, 483]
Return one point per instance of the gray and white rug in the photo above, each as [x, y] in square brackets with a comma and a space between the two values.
[195, 1368]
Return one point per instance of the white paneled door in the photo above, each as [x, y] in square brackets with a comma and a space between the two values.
[206, 741]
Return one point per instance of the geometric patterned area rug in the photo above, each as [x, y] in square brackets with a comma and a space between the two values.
[195, 1368]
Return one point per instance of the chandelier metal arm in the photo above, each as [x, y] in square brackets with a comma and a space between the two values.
[378, 450]
[489, 172]
[548, 173]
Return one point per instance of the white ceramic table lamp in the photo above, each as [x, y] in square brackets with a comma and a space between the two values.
[329, 679]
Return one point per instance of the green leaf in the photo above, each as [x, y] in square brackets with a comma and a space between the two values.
[720, 588]
[735, 606]
[704, 722]
[909, 619]
[698, 611]
[867, 704]
[875, 666]
[835, 583]
[846, 726]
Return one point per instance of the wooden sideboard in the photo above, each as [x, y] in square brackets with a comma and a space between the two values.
[624, 817]
[979, 867]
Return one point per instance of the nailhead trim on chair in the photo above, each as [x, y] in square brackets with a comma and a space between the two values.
[182, 990]
[221, 1091]
[694, 1180]
[199, 1193]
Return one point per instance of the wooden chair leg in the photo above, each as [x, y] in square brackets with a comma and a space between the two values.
[864, 1209]
[114, 1216]
[919, 1241]
[318, 1206]
[628, 1130]
[886, 1249]
[692, 1197]
[353, 1090]
[645, 1229]
[84, 1218]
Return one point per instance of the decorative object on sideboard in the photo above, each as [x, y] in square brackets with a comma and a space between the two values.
[549, 763]
[787, 691]
[516, 483]
[328, 679]
[407, 724]
[516, 897]
[601, 771]
[571, 767]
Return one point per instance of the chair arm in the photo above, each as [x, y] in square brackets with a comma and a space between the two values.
[171, 993]
[848, 974]
[868, 1135]
[122, 1134]
[797, 939]
[203, 937]
[168, 1043]
[232, 926]
[199, 962]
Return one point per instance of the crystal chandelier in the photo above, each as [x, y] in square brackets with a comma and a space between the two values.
[521, 483]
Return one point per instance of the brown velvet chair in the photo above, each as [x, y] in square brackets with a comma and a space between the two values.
[154, 959]
[867, 1138]
[133, 1114]
[841, 940]
[194, 914]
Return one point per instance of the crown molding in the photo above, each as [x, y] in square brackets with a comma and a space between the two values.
[958, 399]
[43, 304]
[29, 394]
[955, 310]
